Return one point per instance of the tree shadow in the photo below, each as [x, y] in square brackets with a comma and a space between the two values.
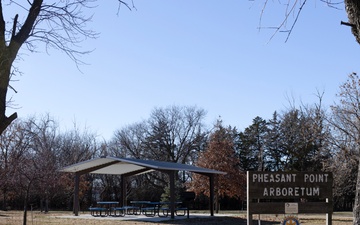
[217, 221]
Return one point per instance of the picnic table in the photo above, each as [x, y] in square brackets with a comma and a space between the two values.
[107, 208]
[179, 209]
[151, 209]
[147, 208]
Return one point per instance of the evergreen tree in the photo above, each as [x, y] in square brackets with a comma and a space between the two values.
[274, 152]
[251, 145]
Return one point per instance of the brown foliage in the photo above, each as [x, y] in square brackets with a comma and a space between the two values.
[220, 155]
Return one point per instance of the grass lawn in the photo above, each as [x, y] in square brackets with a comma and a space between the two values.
[224, 218]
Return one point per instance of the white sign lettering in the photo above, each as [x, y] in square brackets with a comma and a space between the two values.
[291, 191]
[274, 178]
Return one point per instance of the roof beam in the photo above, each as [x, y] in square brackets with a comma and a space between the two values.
[91, 169]
[133, 173]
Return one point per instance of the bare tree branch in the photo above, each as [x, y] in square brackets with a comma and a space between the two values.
[293, 9]
[61, 25]
[296, 19]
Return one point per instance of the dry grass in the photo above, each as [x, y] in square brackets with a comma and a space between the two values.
[230, 218]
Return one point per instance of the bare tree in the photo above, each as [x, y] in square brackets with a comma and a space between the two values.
[45, 145]
[24, 169]
[175, 133]
[61, 25]
[13, 145]
[346, 121]
[294, 8]
[344, 165]
[128, 142]
[76, 145]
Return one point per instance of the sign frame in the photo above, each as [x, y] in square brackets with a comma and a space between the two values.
[310, 191]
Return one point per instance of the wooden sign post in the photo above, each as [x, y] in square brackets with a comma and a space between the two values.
[289, 193]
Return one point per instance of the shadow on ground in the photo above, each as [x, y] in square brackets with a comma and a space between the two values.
[216, 221]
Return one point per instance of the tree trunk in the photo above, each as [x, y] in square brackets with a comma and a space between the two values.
[9, 53]
[41, 204]
[353, 11]
[4, 199]
[46, 203]
[25, 210]
[5, 71]
[356, 209]
[26, 201]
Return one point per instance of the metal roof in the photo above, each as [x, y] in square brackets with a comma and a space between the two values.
[118, 166]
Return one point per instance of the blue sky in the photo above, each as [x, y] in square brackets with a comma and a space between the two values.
[205, 53]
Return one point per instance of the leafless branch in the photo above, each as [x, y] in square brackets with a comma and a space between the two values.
[127, 5]
[61, 25]
[296, 19]
[333, 4]
[287, 14]
[293, 9]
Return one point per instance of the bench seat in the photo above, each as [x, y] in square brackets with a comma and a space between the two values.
[183, 211]
[98, 211]
[119, 211]
[178, 211]
[132, 210]
[149, 211]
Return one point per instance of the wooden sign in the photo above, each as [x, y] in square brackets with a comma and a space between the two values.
[270, 193]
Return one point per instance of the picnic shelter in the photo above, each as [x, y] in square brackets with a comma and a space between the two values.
[126, 167]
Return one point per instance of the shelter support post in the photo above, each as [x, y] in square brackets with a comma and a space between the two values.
[123, 191]
[172, 193]
[211, 180]
[76, 194]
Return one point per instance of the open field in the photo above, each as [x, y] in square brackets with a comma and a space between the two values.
[201, 218]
